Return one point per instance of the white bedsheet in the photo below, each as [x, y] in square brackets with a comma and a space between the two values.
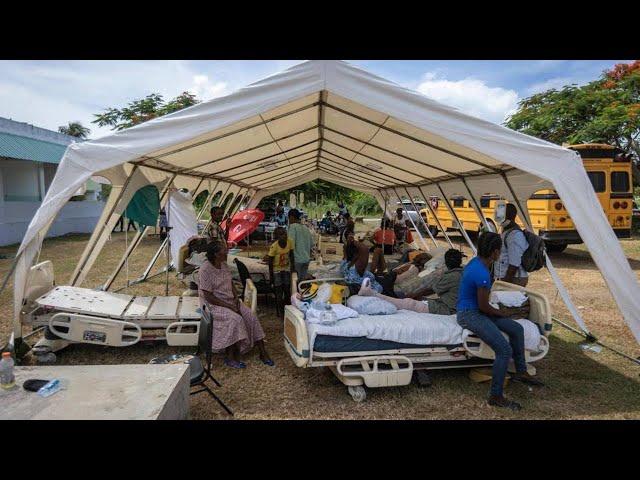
[403, 326]
[411, 327]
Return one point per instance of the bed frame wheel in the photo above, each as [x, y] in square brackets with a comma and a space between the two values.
[358, 393]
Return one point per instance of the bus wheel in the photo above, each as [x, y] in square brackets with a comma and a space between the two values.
[434, 230]
[556, 247]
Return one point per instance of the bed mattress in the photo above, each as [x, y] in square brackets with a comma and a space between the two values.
[403, 329]
[334, 344]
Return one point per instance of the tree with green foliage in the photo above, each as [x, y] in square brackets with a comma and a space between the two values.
[140, 111]
[328, 196]
[606, 110]
[75, 129]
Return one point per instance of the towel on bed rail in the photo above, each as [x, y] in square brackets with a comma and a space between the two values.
[507, 298]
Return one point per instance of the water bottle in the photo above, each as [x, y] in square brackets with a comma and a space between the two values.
[329, 316]
[7, 378]
[50, 388]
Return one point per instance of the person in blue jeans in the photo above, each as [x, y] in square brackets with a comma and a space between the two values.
[474, 313]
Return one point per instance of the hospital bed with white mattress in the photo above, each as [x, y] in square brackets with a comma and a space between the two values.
[81, 315]
[384, 350]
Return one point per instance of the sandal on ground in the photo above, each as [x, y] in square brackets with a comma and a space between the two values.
[234, 363]
[526, 379]
[504, 403]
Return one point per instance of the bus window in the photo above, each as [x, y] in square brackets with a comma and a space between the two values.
[619, 181]
[484, 202]
[598, 181]
[458, 202]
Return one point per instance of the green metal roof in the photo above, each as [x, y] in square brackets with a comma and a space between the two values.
[24, 148]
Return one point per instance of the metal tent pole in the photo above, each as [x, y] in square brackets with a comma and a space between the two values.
[434, 216]
[424, 243]
[136, 241]
[155, 257]
[476, 207]
[428, 202]
[166, 282]
[556, 278]
[452, 211]
[89, 250]
[218, 203]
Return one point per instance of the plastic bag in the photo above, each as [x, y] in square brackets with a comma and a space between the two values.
[324, 293]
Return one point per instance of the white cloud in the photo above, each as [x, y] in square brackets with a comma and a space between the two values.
[204, 89]
[471, 96]
[51, 93]
[556, 83]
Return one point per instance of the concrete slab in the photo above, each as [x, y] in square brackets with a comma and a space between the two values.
[101, 392]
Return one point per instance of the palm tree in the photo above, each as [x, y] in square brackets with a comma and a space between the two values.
[75, 129]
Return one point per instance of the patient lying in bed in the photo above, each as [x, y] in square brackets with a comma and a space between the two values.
[445, 286]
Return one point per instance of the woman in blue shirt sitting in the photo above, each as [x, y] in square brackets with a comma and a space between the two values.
[474, 313]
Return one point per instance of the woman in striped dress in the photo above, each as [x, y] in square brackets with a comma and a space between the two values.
[235, 327]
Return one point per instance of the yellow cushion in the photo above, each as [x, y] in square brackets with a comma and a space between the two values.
[337, 293]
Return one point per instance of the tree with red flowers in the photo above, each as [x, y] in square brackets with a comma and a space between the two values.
[606, 110]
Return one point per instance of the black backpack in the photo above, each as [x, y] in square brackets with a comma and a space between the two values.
[533, 257]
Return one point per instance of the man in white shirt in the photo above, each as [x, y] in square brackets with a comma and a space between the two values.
[509, 267]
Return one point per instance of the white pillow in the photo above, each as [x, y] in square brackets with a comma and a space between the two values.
[371, 305]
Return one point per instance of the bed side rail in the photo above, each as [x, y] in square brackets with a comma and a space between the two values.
[540, 307]
[41, 280]
[306, 283]
[75, 327]
[377, 371]
[251, 295]
[181, 334]
[296, 337]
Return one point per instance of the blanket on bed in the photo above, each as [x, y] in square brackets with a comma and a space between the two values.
[411, 327]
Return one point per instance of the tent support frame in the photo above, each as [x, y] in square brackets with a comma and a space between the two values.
[452, 211]
[561, 288]
[476, 206]
[433, 238]
[259, 167]
[372, 173]
[89, 248]
[228, 134]
[428, 203]
[424, 242]
[136, 240]
[154, 259]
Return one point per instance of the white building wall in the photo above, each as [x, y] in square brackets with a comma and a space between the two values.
[75, 217]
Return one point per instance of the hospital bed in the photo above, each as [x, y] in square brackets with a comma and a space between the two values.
[81, 315]
[361, 361]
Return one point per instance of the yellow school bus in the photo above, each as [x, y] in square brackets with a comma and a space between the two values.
[610, 175]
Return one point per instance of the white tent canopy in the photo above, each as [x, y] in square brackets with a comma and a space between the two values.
[333, 121]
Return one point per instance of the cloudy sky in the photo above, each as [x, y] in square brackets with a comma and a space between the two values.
[51, 93]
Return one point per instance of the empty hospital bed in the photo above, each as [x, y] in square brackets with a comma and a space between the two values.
[359, 361]
[81, 315]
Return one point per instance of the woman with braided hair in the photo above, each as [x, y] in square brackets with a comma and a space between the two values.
[476, 314]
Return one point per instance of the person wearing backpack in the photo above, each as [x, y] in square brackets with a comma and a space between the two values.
[509, 266]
